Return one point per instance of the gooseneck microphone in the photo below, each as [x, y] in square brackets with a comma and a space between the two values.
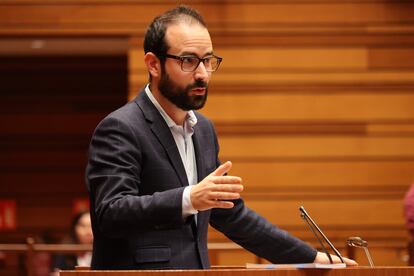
[312, 225]
[358, 242]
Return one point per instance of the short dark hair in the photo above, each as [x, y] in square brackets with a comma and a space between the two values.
[154, 40]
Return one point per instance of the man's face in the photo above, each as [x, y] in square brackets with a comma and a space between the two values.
[186, 90]
[180, 96]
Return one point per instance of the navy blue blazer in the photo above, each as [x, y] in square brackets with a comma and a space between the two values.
[136, 179]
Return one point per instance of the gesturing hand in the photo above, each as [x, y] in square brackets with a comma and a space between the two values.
[215, 189]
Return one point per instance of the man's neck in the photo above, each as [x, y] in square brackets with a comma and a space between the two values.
[176, 114]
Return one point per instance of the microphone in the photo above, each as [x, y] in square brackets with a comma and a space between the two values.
[312, 225]
[358, 242]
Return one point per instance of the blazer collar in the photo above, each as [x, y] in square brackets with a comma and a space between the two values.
[161, 130]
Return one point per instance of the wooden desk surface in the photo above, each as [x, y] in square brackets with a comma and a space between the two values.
[354, 271]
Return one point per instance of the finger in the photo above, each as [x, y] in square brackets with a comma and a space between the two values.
[226, 179]
[350, 262]
[235, 188]
[335, 259]
[347, 261]
[224, 196]
[222, 169]
[222, 204]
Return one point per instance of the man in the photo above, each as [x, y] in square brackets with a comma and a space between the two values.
[154, 177]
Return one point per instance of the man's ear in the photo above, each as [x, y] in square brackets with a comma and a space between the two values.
[153, 64]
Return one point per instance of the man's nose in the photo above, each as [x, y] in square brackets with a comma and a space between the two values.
[201, 72]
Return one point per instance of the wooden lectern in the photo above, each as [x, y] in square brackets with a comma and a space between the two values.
[351, 271]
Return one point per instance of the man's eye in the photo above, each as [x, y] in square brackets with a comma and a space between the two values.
[190, 60]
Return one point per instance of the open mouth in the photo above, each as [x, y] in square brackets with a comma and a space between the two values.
[198, 91]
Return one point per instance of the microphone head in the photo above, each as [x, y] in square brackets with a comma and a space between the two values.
[302, 211]
[357, 242]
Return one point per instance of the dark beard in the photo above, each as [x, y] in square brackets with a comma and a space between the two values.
[180, 96]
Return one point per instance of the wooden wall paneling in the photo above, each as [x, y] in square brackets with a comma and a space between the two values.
[129, 17]
[313, 104]
[249, 78]
[379, 128]
[358, 175]
[235, 257]
[345, 58]
[338, 210]
[391, 58]
[393, 253]
[393, 128]
[308, 78]
[378, 234]
[287, 59]
[317, 148]
[291, 107]
[136, 66]
[305, 36]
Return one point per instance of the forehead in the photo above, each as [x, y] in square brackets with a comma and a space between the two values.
[84, 219]
[188, 38]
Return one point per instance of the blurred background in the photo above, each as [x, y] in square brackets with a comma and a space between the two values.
[313, 103]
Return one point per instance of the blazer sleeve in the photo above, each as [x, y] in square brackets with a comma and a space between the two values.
[113, 179]
[253, 232]
[256, 234]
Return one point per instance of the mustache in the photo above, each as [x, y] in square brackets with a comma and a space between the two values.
[198, 84]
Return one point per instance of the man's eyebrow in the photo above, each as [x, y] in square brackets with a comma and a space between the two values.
[194, 54]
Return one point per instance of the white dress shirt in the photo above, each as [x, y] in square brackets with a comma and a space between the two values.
[183, 139]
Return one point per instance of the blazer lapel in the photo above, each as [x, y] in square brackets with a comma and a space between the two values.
[162, 132]
[198, 155]
[202, 216]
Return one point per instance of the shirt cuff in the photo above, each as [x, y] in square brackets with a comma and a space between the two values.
[188, 208]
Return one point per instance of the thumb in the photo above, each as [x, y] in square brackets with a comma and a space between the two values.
[224, 168]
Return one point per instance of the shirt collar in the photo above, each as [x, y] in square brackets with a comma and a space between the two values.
[190, 120]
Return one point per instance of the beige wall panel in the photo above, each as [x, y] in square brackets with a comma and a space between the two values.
[343, 67]
[382, 256]
[250, 79]
[281, 176]
[291, 58]
[332, 211]
[316, 13]
[59, 14]
[297, 128]
[325, 127]
[223, 76]
[335, 12]
[391, 129]
[306, 36]
[136, 68]
[136, 63]
[397, 58]
[285, 107]
[235, 257]
[316, 147]
[379, 234]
